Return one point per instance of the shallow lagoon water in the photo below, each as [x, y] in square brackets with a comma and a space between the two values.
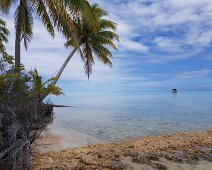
[119, 115]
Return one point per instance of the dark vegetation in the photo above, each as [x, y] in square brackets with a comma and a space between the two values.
[23, 116]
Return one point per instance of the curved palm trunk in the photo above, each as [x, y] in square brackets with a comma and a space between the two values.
[59, 73]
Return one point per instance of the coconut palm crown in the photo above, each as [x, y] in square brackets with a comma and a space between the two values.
[52, 13]
[94, 44]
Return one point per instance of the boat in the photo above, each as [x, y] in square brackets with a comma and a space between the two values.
[174, 90]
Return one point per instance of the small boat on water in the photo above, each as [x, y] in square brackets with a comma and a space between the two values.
[174, 90]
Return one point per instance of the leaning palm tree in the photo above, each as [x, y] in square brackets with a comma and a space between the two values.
[4, 32]
[52, 13]
[92, 44]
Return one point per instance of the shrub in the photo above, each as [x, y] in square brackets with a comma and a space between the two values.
[23, 115]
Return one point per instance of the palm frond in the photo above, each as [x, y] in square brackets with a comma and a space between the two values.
[98, 12]
[41, 88]
[87, 58]
[27, 24]
[61, 19]
[5, 5]
[48, 81]
[4, 32]
[94, 43]
[102, 54]
[86, 12]
[107, 24]
[52, 89]
[23, 16]
[43, 15]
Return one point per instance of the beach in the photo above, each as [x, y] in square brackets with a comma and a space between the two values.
[128, 131]
[53, 139]
[187, 150]
[106, 85]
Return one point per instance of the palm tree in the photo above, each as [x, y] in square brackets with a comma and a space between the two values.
[52, 13]
[40, 88]
[92, 43]
[4, 32]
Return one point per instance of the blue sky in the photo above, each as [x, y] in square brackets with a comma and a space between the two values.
[163, 44]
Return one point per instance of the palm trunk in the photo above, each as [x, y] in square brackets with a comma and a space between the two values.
[18, 48]
[59, 73]
[18, 39]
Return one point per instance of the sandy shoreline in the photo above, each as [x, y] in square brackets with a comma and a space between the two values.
[57, 139]
[192, 150]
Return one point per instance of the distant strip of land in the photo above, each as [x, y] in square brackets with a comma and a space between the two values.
[190, 150]
[56, 105]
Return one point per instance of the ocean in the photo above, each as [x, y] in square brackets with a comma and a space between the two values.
[113, 116]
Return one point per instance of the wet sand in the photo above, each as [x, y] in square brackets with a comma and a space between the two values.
[57, 139]
[192, 150]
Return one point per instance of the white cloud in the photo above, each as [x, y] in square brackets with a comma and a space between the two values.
[137, 18]
[193, 74]
[158, 30]
[129, 45]
[165, 43]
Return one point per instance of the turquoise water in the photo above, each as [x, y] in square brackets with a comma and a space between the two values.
[120, 115]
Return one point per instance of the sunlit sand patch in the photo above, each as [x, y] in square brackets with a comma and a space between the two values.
[57, 139]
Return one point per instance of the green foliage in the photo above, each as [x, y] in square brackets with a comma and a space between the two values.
[40, 88]
[52, 13]
[4, 32]
[23, 84]
[94, 43]
[23, 116]
[23, 16]
[11, 82]
[6, 61]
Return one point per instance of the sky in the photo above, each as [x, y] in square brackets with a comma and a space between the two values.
[164, 44]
